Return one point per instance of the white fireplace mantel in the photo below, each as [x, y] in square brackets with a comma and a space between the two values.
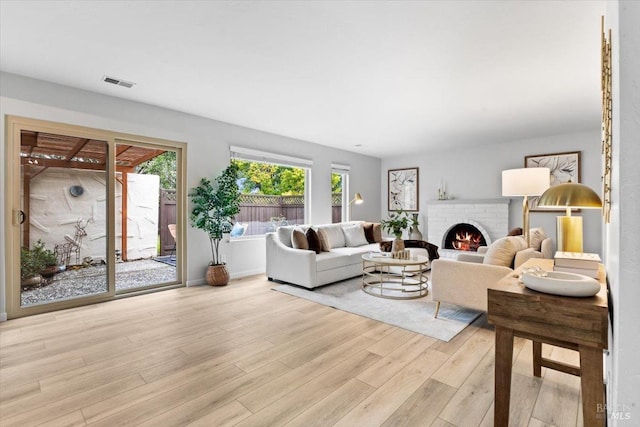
[492, 216]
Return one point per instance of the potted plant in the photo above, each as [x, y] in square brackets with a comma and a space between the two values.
[213, 211]
[36, 263]
[396, 224]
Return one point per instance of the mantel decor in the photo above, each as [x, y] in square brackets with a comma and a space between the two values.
[403, 187]
[564, 167]
[606, 122]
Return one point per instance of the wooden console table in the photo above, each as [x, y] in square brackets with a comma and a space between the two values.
[575, 323]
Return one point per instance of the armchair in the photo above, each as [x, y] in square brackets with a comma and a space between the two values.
[465, 281]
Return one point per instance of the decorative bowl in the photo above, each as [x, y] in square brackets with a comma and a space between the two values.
[561, 283]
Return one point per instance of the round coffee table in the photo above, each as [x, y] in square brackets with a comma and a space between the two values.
[378, 279]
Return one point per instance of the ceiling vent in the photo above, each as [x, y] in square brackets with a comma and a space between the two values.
[117, 82]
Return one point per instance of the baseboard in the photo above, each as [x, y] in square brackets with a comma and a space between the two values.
[197, 282]
[3, 317]
[237, 275]
[241, 274]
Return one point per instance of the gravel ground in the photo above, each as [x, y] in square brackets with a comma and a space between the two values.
[92, 280]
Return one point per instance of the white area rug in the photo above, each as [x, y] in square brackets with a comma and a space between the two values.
[414, 315]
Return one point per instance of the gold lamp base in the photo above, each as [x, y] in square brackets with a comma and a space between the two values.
[569, 233]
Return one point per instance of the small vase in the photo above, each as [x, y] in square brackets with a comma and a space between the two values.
[397, 245]
[414, 233]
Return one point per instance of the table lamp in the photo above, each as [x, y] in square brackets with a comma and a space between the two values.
[570, 196]
[525, 182]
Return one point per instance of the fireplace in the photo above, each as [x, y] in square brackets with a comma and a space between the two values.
[489, 216]
[464, 237]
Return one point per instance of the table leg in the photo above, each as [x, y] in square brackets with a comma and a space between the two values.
[537, 359]
[504, 355]
[592, 386]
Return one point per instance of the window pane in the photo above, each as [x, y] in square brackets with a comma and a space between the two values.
[272, 195]
[336, 197]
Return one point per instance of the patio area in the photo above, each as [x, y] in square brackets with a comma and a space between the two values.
[92, 280]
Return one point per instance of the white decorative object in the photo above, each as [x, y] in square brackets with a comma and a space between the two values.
[560, 283]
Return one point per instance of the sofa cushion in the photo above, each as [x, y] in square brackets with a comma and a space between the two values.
[284, 235]
[331, 260]
[325, 244]
[299, 239]
[503, 250]
[354, 235]
[334, 234]
[313, 240]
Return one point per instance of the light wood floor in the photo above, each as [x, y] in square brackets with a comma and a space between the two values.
[244, 355]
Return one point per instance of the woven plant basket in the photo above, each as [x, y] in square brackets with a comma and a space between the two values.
[217, 275]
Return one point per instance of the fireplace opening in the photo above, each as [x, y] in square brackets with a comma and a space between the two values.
[464, 237]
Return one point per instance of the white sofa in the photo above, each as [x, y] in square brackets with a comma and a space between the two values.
[305, 267]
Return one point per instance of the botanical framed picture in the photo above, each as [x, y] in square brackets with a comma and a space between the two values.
[564, 167]
[403, 189]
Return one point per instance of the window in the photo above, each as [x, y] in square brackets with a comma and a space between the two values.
[339, 193]
[274, 191]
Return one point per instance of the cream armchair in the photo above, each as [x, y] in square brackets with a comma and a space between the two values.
[465, 281]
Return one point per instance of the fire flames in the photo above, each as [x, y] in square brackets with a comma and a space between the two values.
[467, 241]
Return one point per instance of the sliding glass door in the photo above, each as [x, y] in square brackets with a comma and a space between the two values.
[88, 215]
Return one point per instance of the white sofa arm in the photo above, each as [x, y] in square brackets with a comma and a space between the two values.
[464, 283]
[289, 265]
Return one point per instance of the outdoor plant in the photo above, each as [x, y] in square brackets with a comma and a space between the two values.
[33, 261]
[214, 207]
[396, 223]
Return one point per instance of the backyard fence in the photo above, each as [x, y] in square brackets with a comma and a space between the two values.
[263, 213]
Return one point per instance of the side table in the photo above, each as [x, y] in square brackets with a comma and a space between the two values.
[575, 323]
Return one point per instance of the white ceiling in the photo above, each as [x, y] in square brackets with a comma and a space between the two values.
[375, 77]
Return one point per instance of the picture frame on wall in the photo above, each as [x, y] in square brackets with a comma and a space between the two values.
[564, 167]
[403, 189]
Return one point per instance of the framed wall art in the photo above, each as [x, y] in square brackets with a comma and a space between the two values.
[403, 189]
[564, 167]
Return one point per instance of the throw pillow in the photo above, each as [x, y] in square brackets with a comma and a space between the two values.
[325, 244]
[313, 240]
[284, 234]
[238, 229]
[354, 235]
[299, 239]
[335, 235]
[503, 251]
[377, 232]
[515, 232]
[536, 236]
[368, 232]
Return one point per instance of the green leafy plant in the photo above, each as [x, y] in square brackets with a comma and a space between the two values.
[396, 223]
[33, 261]
[214, 208]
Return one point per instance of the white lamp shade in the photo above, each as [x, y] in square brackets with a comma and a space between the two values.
[525, 181]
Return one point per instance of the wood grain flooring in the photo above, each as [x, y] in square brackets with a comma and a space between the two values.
[244, 355]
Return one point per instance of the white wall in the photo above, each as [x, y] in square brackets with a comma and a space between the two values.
[475, 173]
[208, 153]
[622, 252]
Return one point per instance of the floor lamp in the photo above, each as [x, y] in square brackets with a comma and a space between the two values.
[525, 182]
[570, 196]
[358, 200]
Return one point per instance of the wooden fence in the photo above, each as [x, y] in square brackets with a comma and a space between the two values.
[262, 213]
